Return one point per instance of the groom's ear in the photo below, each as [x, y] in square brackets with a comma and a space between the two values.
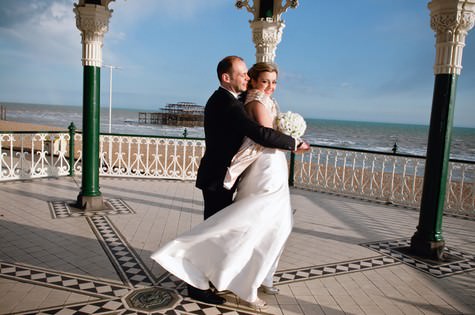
[225, 77]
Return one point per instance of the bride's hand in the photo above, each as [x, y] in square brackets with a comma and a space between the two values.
[302, 147]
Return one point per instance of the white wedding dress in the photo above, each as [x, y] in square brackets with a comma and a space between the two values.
[239, 247]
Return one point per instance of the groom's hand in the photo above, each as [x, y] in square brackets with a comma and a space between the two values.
[302, 147]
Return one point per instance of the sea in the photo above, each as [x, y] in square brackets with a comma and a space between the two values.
[375, 136]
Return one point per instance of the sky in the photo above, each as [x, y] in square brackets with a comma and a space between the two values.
[365, 60]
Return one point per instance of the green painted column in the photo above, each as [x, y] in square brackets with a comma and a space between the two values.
[428, 240]
[266, 9]
[91, 131]
[451, 20]
[92, 19]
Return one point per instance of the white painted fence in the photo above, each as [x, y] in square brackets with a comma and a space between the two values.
[390, 178]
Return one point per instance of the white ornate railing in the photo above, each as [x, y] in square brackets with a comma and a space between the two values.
[140, 156]
[460, 194]
[391, 178]
[26, 155]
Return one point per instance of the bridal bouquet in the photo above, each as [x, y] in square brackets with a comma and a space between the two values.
[291, 124]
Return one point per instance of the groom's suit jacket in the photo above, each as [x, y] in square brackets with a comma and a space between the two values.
[225, 124]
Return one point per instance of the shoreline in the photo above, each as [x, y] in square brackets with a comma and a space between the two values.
[329, 119]
[9, 125]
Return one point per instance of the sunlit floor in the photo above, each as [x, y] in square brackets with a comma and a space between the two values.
[345, 256]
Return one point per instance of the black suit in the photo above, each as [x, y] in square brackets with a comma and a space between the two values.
[225, 124]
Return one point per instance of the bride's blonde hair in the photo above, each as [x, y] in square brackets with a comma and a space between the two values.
[258, 68]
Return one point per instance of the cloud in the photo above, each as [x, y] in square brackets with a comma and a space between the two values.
[16, 12]
[132, 11]
[42, 30]
[46, 29]
[346, 85]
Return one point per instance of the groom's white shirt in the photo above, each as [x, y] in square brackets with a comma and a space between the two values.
[236, 95]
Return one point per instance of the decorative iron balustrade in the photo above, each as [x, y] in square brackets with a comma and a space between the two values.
[26, 155]
[391, 178]
[153, 157]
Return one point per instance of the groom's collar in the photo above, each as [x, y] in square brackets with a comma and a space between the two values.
[236, 95]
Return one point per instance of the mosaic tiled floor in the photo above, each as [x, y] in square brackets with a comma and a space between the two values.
[140, 292]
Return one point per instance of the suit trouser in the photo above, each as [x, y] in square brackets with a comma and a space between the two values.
[216, 200]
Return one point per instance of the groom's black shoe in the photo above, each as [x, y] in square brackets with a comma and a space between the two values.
[206, 296]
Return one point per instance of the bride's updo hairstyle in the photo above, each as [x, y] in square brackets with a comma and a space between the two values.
[258, 68]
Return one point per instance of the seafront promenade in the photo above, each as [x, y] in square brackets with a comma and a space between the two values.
[344, 256]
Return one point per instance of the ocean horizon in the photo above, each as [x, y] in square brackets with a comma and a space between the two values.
[364, 135]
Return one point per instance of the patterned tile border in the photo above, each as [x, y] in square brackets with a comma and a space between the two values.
[168, 280]
[128, 264]
[116, 307]
[61, 209]
[460, 262]
[110, 295]
[328, 270]
[112, 306]
[63, 281]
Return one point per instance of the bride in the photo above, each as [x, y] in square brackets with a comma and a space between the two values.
[238, 248]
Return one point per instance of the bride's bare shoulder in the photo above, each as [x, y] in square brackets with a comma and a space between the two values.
[255, 95]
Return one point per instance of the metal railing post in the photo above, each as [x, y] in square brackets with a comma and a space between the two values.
[292, 169]
[72, 132]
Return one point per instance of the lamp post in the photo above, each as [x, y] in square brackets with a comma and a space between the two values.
[110, 94]
[267, 25]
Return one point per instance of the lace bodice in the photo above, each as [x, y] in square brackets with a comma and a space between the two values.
[269, 103]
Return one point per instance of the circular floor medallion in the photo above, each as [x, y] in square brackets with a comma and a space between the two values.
[152, 299]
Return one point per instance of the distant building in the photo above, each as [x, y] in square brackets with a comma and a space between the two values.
[184, 114]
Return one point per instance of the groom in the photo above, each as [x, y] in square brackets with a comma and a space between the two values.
[225, 124]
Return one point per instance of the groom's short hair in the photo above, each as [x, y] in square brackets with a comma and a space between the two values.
[226, 64]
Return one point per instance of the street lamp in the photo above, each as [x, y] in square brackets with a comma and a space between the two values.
[110, 94]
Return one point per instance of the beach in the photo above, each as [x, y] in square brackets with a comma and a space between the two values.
[6, 125]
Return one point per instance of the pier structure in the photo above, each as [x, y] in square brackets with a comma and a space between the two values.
[92, 19]
[451, 20]
[267, 25]
[183, 114]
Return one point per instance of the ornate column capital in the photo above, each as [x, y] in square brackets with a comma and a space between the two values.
[93, 22]
[266, 29]
[451, 20]
[266, 35]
